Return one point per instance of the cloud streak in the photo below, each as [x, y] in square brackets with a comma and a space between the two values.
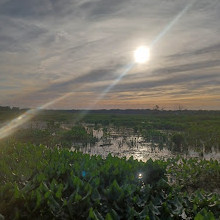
[49, 48]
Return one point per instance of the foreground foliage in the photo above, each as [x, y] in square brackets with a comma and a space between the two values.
[192, 174]
[40, 183]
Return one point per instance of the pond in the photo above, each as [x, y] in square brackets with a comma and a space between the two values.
[125, 143]
[122, 142]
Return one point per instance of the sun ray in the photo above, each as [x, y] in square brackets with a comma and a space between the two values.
[28, 115]
[172, 23]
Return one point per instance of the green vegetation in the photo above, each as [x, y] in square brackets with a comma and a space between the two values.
[54, 136]
[41, 183]
[192, 173]
[77, 134]
[40, 178]
[179, 131]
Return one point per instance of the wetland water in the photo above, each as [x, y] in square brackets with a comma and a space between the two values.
[124, 143]
[121, 142]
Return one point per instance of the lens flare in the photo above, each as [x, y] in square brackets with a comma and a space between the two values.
[170, 25]
[11, 127]
[140, 176]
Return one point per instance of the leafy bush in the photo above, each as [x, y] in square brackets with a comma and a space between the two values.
[192, 174]
[72, 185]
[77, 134]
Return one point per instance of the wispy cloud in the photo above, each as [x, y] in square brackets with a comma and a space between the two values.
[50, 47]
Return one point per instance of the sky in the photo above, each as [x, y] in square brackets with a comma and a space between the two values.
[51, 48]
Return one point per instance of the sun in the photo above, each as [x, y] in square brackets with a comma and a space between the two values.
[142, 54]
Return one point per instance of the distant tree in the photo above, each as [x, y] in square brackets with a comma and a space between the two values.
[5, 108]
[15, 109]
[156, 107]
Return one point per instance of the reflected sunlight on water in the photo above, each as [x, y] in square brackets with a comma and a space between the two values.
[124, 143]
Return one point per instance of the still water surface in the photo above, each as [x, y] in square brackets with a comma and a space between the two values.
[124, 143]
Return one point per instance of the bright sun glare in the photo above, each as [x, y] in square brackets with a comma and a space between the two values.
[142, 54]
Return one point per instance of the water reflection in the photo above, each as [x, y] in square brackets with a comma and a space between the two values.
[121, 142]
[124, 143]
